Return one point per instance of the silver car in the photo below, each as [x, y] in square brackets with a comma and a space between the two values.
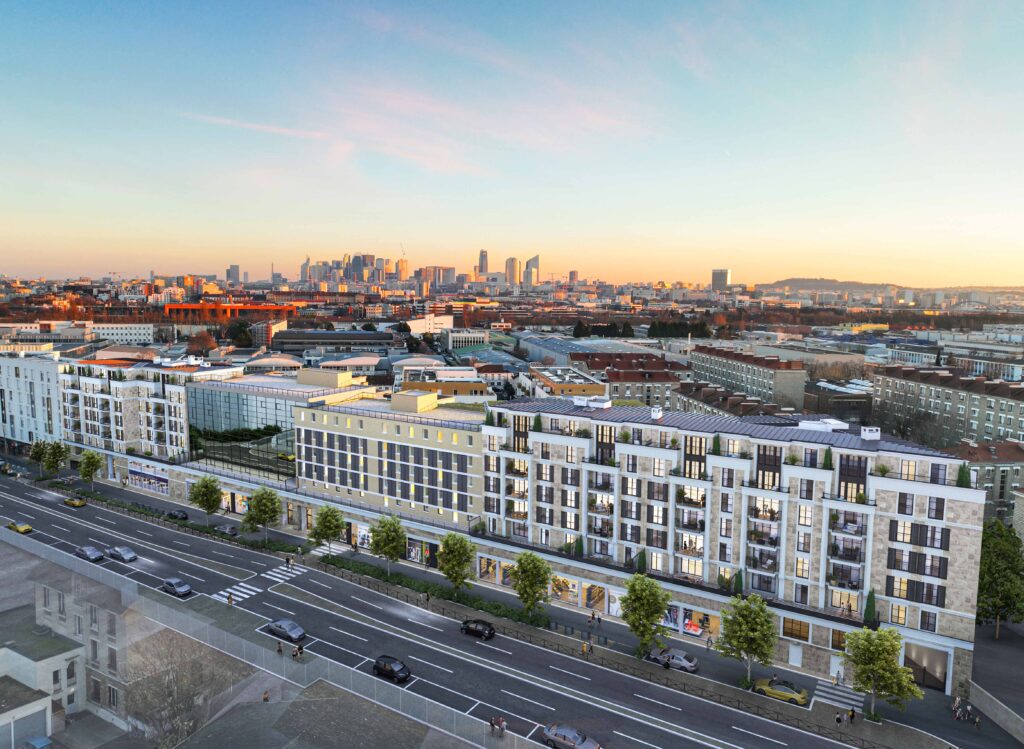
[562, 736]
[674, 658]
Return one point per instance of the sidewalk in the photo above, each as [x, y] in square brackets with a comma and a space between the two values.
[931, 715]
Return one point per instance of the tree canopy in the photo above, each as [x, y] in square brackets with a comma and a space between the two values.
[206, 495]
[748, 632]
[643, 609]
[455, 559]
[530, 578]
[89, 465]
[388, 539]
[328, 526]
[263, 510]
[874, 658]
[1000, 576]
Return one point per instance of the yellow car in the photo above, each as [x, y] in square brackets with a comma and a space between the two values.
[19, 527]
[75, 501]
[778, 689]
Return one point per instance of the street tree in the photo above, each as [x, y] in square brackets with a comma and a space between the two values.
[37, 454]
[1000, 576]
[327, 527]
[88, 466]
[56, 455]
[388, 540]
[264, 510]
[531, 578]
[873, 656]
[643, 609]
[206, 495]
[748, 632]
[455, 559]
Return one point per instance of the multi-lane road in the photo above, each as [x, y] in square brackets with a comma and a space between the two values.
[528, 685]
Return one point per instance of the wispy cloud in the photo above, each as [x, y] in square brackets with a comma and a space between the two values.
[287, 132]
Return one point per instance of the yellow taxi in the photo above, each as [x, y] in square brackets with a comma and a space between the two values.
[75, 501]
[778, 689]
[19, 527]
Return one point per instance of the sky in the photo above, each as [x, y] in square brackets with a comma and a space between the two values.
[873, 141]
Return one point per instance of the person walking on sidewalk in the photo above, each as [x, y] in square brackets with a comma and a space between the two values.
[709, 643]
[231, 599]
[853, 715]
[288, 563]
[583, 648]
[839, 719]
[280, 650]
[266, 695]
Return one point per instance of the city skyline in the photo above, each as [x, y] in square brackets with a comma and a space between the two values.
[661, 133]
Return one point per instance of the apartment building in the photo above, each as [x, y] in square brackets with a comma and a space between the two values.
[464, 384]
[999, 466]
[812, 518]
[559, 381]
[650, 387]
[125, 406]
[29, 398]
[769, 378]
[714, 400]
[949, 406]
[456, 338]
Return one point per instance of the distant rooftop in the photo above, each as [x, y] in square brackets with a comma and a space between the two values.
[14, 694]
[19, 633]
[379, 408]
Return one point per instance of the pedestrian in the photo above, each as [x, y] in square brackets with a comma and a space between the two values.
[977, 721]
[280, 650]
[835, 679]
[775, 678]
[839, 676]
[288, 562]
[231, 599]
[266, 695]
[493, 723]
[708, 644]
[592, 616]
[599, 620]
[839, 719]
[428, 599]
[502, 724]
[301, 651]
[853, 715]
[583, 648]
[295, 653]
[970, 712]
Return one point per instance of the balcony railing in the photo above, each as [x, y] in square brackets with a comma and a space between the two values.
[762, 540]
[847, 555]
[850, 529]
[757, 513]
[599, 508]
[768, 487]
[693, 524]
[690, 550]
[604, 531]
[846, 584]
[691, 501]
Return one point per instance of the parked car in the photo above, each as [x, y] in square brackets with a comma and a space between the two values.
[22, 528]
[478, 628]
[778, 689]
[286, 629]
[227, 530]
[674, 658]
[177, 515]
[89, 553]
[75, 501]
[176, 587]
[562, 736]
[391, 668]
[122, 553]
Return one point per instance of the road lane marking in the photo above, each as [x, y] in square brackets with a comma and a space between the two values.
[361, 600]
[503, 711]
[95, 541]
[414, 658]
[484, 644]
[634, 738]
[475, 706]
[527, 699]
[30, 517]
[290, 613]
[57, 527]
[143, 533]
[194, 577]
[657, 702]
[569, 672]
[428, 626]
[766, 738]
[104, 520]
[221, 554]
[180, 543]
[322, 585]
[348, 633]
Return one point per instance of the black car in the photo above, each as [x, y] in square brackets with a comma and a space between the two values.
[391, 668]
[286, 629]
[227, 530]
[122, 553]
[89, 553]
[478, 628]
[176, 587]
[177, 515]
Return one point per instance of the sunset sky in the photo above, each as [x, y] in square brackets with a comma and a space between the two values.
[629, 141]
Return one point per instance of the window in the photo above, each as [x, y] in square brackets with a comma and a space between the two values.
[899, 587]
[725, 529]
[800, 594]
[928, 621]
[804, 516]
[802, 567]
[112, 697]
[803, 542]
[112, 660]
[838, 639]
[726, 504]
[659, 468]
[905, 504]
[46, 597]
[78, 624]
[56, 678]
[898, 614]
[796, 629]
[936, 508]
[903, 532]
[806, 489]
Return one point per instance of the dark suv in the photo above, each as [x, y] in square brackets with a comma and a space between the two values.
[478, 628]
[391, 668]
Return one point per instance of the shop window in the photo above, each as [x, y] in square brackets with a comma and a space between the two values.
[796, 629]
[838, 639]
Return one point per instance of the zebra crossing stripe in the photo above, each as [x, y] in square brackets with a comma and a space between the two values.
[220, 597]
[251, 588]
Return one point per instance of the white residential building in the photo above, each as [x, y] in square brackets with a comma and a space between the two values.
[29, 397]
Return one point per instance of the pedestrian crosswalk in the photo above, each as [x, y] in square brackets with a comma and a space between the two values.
[238, 591]
[284, 573]
[839, 695]
[322, 551]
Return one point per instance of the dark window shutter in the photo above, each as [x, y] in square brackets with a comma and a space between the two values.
[917, 534]
[942, 597]
[945, 539]
[891, 562]
[943, 568]
[888, 585]
[892, 530]
[650, 514]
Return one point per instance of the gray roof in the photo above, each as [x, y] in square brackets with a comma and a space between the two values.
[693, 422]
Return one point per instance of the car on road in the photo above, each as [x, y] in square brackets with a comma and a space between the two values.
[19, 527]
[391, 668]
[562, 736]
[89, 553]
[227, 530]
[286, 629]
[122, 553]
[674, 658]
[176, 587]
[779, 689]
[177, 515]
[75, 501]
[478, 628]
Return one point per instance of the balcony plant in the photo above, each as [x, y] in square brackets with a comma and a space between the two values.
[489, 419]
[826, 463]
[833, 518]
[716, 445]
[584, 433]
[963, 476]
[674, 442]
[791, 459]
[537, 427]
[745, 454]
[862, 498]
[882, 469]
[624, 435]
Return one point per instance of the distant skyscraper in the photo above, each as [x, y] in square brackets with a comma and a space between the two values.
[721, 279]
[304, 270]
[574, 276]
[233, 275]
[402, 269]
[482, 265]
[245, 277]
[531, 273]
[513, 271]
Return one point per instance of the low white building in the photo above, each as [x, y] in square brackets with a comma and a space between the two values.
[29, 397]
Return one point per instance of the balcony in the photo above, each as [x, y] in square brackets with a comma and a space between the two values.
[848, 528]
[512, 470]
[691, 523]
[762, 539]
[846, 554]
[860, 499]
[601, 508]
[603, 486]
[602, 530]
[690, 501]
[764, 513]
[511, 491]
[846, 583]
[690, 550]
[764, 563]
[767, 486]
